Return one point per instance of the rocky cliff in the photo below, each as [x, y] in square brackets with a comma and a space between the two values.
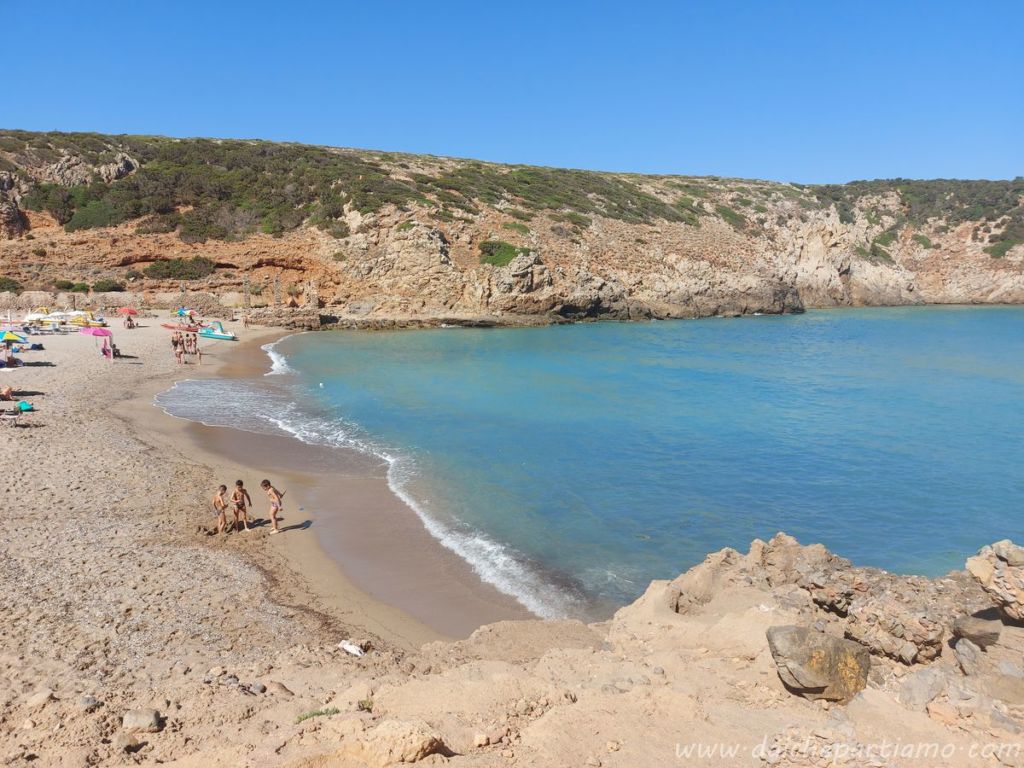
[359, 237]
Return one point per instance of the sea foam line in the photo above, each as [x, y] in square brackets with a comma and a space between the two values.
[492, 562]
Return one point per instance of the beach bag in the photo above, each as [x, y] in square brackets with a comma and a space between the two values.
[23, 406]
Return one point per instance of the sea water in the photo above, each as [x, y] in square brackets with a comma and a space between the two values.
[570, 465]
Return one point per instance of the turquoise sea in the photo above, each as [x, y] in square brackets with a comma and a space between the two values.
[573, 464]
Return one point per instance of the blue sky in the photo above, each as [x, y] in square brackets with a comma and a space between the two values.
[801, 91]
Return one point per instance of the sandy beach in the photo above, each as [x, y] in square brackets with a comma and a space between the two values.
[131, 636]
[107, 510]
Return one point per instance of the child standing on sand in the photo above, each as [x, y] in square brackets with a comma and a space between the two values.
[275, 497]
[240, 501]
[220, 507]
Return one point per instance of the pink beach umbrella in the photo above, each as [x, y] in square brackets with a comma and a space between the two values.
[95, 332]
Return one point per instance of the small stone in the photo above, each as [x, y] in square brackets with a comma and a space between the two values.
[612, 746]
[258, 688]
[141, 720]
[907, 652]
[125, 742]
[508, 754]
[89, 703]
[229, 680]
[968, 656]
[28, 724]
[40, 698]
[216, 672]
[594, 761]
[522, 707]
[481, 740]
[280, 688]
[658, 671]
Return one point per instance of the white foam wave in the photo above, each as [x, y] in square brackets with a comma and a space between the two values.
[493, 562]
[278, 362]
[216, 403]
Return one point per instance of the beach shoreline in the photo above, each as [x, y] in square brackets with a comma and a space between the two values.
[362, 557]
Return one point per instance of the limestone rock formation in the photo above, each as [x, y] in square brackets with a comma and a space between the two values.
[819, 666]
[13, 222]
[999, 569]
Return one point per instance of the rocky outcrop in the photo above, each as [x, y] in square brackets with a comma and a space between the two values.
[122, 166]
[70, 170]
[819, 666]
[999, 569]
[902, 617]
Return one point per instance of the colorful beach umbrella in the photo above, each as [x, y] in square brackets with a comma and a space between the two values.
[95, 332]
[127, 311]
[10, 337]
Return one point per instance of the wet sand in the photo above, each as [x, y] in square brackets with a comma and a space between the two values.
[362, 554]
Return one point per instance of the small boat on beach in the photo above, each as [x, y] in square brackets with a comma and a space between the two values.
[180, 327]
[215, 330]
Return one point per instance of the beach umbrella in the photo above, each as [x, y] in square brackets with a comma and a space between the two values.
[10, 337]
[127, 311]
[95, 332]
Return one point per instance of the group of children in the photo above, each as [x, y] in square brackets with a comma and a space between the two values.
[239, 503]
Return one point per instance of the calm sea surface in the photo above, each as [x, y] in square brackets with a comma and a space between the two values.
[573, 464]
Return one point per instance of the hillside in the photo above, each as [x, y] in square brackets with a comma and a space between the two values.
[361, 236]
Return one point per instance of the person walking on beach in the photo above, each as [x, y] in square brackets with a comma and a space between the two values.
[240, 502]
[220, 508]
[276, 498]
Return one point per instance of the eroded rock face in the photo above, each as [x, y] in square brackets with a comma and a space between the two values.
[999, 569]
[12, 221]
[819, 666]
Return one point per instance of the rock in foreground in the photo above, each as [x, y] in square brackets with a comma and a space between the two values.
[819, 666]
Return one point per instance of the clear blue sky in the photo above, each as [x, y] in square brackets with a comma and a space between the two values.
[815, 91]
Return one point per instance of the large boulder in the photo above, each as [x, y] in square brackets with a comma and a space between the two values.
[981, 632]
[999, 569]
[819, 666]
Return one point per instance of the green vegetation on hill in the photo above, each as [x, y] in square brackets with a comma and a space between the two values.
[499, 253]
[180, 269]
[952, 200]
[205, 189]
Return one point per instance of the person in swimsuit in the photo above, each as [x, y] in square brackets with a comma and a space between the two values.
[240, 502]
[276, 502]
[220, 508]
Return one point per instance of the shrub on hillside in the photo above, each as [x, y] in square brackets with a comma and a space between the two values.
[10, 284]
[107, 286]
[63, 285]
[499, 253]
[180, 269]
[95, 213]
